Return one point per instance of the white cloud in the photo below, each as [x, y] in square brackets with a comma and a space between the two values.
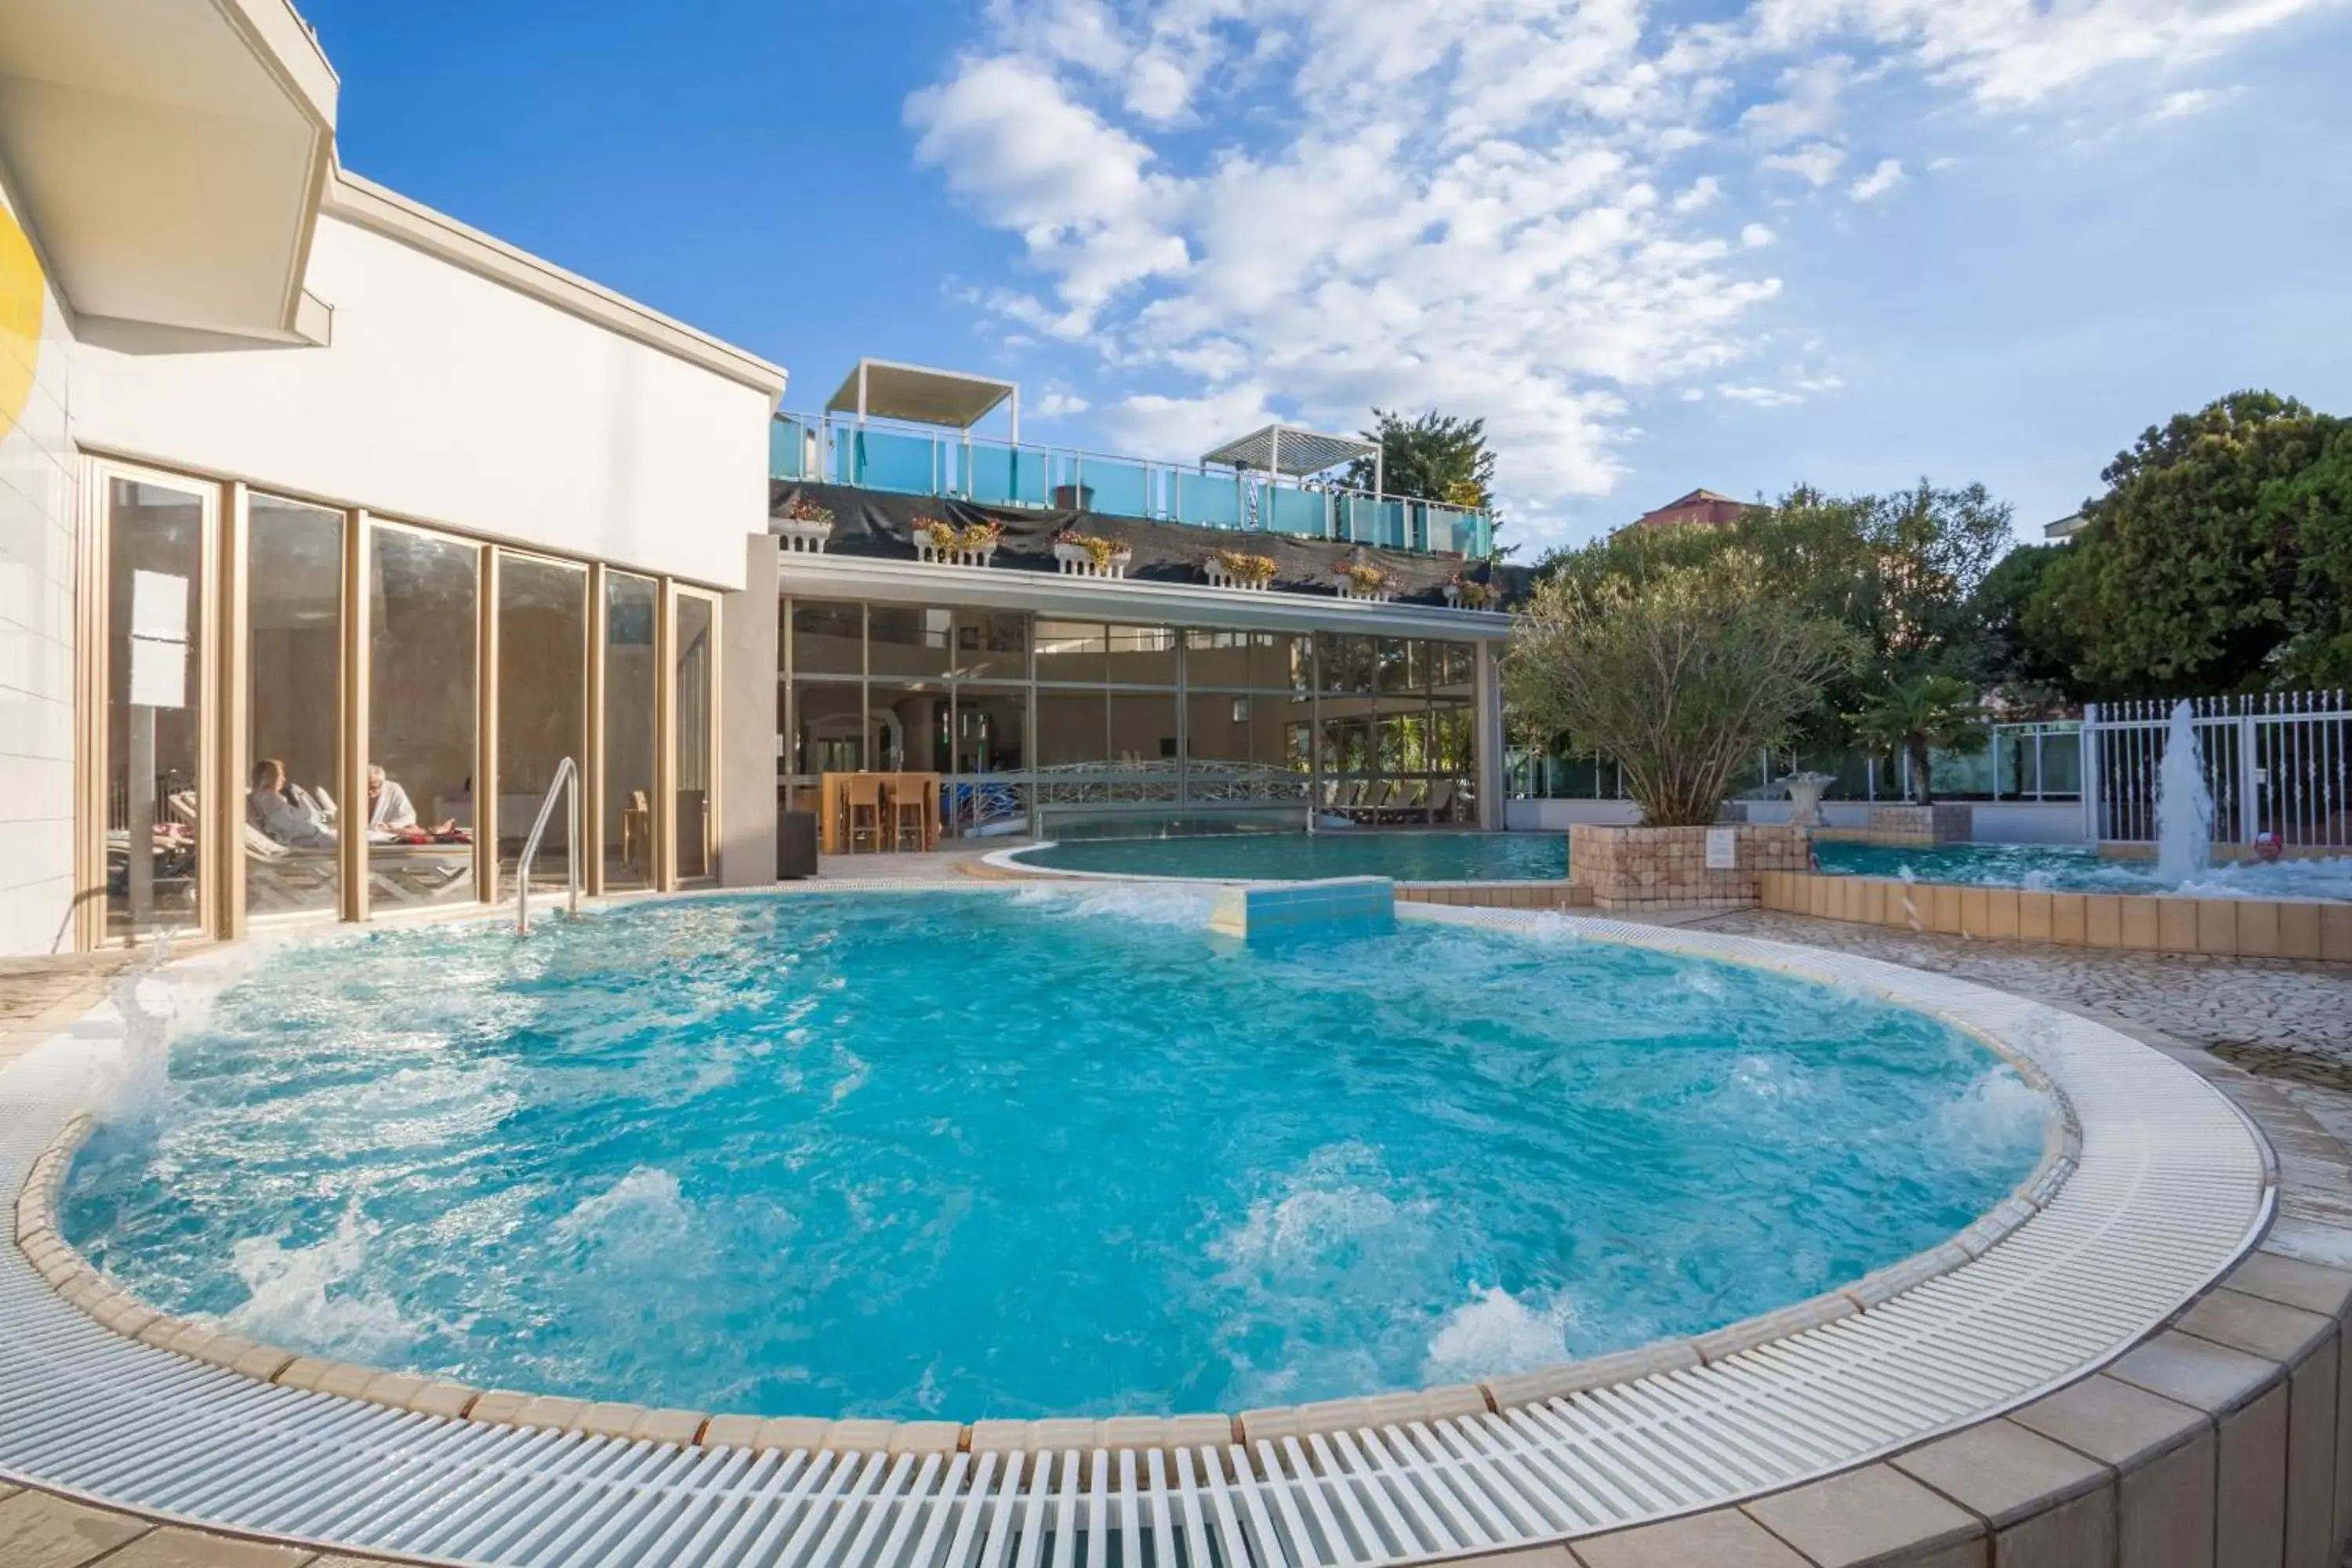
[1760, 396]
[1057, 404]
[2194, 100]
[1816, 162]
[1878, 181]
[1701, 192]
[1521, 209]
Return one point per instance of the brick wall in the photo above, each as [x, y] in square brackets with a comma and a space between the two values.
[1665, 868]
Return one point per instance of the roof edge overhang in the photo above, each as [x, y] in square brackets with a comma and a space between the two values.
[362, 202]
[169, 157]
[1126, 599]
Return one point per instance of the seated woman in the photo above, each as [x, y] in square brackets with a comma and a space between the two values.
[390, 815]
[268, 808]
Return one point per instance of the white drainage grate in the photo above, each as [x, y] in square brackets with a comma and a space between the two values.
[2171, 1188]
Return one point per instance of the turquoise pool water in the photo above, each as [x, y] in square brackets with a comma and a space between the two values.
[1423, 857]
[2072, 871]
[1020, 1155]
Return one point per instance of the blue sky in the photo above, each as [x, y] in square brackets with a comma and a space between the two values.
[1734, 243]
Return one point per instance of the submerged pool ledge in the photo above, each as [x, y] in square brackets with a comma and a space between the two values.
[2152, 1191]
[2132, 923]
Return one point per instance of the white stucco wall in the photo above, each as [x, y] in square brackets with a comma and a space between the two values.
[445, 396]
[39, 481]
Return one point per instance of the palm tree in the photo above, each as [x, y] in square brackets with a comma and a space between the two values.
[1930, 711]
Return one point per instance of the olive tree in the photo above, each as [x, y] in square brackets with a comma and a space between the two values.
[1680, 672]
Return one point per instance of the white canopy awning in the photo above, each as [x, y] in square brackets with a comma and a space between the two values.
[886, 389]
[1290, 449]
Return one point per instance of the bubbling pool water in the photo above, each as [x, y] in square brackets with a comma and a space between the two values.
[989, 1154]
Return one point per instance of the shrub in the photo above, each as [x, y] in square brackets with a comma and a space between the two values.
[1681, 674]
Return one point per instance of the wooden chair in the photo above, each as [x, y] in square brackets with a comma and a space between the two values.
[911, 811]
[861, 810]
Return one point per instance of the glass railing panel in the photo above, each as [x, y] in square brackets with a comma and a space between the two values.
[991, 474]
[1287, 511]
[1120, 490]
[888, 460]
[787, 446]
[1207, 501]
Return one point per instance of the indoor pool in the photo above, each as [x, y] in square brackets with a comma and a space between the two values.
[1023, 1152]
[1424, 856]
[2060, 868]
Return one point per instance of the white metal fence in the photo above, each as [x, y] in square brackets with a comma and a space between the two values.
[2278, 762]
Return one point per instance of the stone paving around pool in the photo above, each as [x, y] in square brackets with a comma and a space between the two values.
[2285, 1020]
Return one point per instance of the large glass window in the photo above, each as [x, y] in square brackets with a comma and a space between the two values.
[297, 804]
[1246, 661]
[632, 729]
[992, 647]
[904, 641]
[1346, 662]
[829, 729]
[1141, 656]
[154, 717]
[422, 630]
[828, 638]
[909, 726]
[1071, 728]
[542, 704]
[1143, 730]
[696, 649]
[1072, 651]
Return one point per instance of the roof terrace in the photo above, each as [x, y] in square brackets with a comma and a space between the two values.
[910, 431]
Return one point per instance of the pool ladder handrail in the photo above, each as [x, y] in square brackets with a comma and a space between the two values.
[567, 781]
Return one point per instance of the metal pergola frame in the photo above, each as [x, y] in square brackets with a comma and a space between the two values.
[1297, 451]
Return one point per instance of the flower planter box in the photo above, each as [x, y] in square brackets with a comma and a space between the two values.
[1453, 591]
[1221, 576]
[797, 535]
[1666, 868]
[1351, 589]
[1078, 561]
[928, 549]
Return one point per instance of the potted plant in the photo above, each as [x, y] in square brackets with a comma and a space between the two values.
[803, 525]
[1362, 580]
[1469, 594]
[1238, 569]
[936, 538]
[1091, 554]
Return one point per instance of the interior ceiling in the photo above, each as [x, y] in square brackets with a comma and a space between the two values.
[169, 155]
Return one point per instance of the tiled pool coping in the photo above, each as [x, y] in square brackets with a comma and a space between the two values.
[1663, 1431]
[1513, 893]
[2136, 922]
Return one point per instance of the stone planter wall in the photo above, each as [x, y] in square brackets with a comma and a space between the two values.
[1665, 868]
[1946, 822]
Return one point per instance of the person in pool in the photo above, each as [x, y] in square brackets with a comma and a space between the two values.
[2267, 847]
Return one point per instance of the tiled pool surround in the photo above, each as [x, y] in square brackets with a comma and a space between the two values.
[2151, 1189]
[1523, 894]
[2140, 923]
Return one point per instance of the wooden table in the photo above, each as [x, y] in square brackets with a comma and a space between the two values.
[830, 837]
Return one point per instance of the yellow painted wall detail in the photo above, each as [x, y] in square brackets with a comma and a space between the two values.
[22, 290]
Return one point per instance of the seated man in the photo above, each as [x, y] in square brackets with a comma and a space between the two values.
[390, 811]
[268, 808]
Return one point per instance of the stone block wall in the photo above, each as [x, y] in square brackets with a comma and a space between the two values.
[1665, 868]
[1946, 822]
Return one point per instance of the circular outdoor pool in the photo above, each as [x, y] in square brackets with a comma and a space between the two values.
[1427, 855]
[1023, 1154]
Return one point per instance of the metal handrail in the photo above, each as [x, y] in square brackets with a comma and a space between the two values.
[567, 779]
